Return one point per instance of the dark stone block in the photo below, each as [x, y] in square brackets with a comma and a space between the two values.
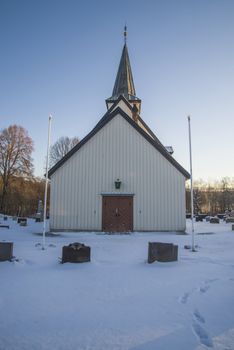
[199, 218]
[163, 252]
[214, 220]
[21, 219]
[38, 220]
[76, 253]
[229, 219]
[232, 227]
[6, 251]
[5, 218]
[4, 226]
[220, 216]
[23, 223]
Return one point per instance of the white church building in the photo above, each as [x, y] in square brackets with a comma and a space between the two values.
[120, 177]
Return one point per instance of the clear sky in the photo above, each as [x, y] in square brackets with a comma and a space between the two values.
[61, 57]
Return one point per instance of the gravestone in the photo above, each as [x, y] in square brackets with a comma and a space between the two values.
[5, 218]
[22, 219]
[163, 252]
[229, 220]
[23, 223]
[232, 227]
[76, 253]
[6, 251]
[39, 214]
[214, 220]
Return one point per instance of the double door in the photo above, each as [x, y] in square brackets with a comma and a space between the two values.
[117, 213]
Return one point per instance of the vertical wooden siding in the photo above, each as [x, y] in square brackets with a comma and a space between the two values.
[117, 151]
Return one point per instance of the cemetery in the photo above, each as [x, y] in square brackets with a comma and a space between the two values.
[145, 290]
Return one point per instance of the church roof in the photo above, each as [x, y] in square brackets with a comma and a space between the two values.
[110, 114]
[124, 84]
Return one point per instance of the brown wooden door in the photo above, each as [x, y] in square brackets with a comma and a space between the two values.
[117, 213]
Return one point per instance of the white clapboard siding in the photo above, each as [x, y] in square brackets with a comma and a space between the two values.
[117, 151]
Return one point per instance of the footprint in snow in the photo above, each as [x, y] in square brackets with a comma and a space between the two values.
[184, 298]
[204, 289]
[202, 335]
[198, 317]
[211, 280]
[206, 286]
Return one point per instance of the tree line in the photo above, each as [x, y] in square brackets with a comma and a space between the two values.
[20, 190]
[211, 197]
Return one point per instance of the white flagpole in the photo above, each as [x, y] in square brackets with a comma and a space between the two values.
[46, 182]
[191, 184]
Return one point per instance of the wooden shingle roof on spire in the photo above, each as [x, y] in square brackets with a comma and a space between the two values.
[124, 84]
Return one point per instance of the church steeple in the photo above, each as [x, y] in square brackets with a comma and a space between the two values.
[124, 84]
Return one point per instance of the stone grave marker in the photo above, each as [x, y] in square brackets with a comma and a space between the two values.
[4, 226]
[76, 253]
[214, 220]
[6, 251]
[229, 220]
[163, 252]
[21, 220]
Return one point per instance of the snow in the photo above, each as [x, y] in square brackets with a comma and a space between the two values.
[118, 301]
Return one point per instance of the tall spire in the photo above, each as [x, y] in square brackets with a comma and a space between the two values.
[124, 84]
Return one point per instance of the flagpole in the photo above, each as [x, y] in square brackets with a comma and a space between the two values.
[191, 184]
[46, 182]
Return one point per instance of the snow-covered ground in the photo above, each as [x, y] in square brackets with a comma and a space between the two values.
[117, 301]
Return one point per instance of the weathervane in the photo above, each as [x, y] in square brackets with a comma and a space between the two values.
[125, 34]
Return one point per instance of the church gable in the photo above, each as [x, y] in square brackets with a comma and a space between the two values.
[106, 119]
[116, 151]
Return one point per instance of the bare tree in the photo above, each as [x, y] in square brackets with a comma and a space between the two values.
[15, 156]
[60, 148]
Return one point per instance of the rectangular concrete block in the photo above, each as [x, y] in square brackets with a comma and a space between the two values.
[6, 251]
[229, 220]
[23, 223]
[76, 253]
[163, 252]
[22, 219]
[214, 220]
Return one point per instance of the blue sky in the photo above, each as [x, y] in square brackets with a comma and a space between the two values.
[61, 57]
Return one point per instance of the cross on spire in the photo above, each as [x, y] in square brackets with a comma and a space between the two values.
[125, 34]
